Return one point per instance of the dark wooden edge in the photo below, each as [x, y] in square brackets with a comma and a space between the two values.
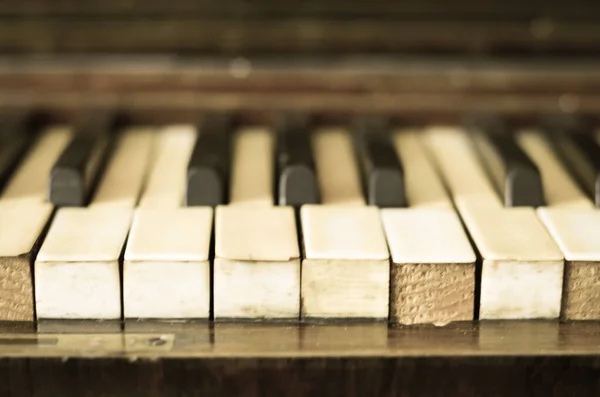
[166, 89]
[448, 376]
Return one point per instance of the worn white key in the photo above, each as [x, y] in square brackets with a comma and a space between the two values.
[257, 263]
[166, 181]
[337, 168]
[166, 269]
[77, 268]
[23, 217]
[522, 268]
[126, 170]
[574, 223]
[560, 189]
[345, 272]
[433, 264]
[252, 167]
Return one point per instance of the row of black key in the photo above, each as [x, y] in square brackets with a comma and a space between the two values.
[514, 175]
[296, 183]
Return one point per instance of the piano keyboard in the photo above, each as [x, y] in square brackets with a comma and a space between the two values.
[297, 221]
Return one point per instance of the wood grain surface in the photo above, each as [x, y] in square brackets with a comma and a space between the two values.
[16, 288]
[581, 291]
[432, 292]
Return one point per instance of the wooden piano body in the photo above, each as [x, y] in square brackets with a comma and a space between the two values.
[419, 62]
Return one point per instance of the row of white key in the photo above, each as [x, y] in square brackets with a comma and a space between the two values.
[258, 272]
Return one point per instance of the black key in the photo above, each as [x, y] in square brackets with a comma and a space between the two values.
[208, 169]
[17, 132]
[573, 140]
[381, 166]
[516, 177]
[77, 170]
[297, 182]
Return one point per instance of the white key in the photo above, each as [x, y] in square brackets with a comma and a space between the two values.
[77, 268]
[126, 171]
[560, 190]
[252, 168]
[23, 216]
[166, 270]
[345, 272]
[574, 223]
[522, 268]
[433, 264]
[337, 168]
[165, 187]
[257, 263]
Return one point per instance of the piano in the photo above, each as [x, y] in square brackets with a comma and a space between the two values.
[341, 198]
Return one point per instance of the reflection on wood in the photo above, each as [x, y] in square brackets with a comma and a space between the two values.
[205, 340]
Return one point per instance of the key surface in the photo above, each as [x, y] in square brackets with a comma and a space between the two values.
[575, 144]
[522, 267]
[257, 263]
[337, 169]
[252, 174]
[297, 182]
[382, 169]
[515, 176]
[208, 168]
[77, 169]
